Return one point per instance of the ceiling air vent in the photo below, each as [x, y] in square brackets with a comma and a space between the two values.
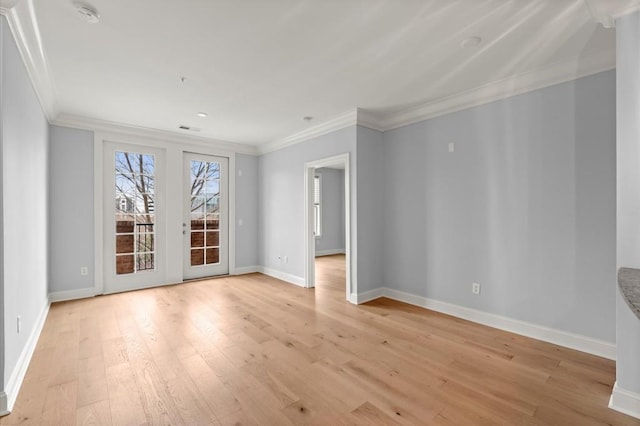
[86, 12]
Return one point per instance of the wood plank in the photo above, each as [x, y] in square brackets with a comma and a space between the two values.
[254, 350]
[96, 414]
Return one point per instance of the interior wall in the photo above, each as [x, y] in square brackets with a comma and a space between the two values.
[371, 201]
[71, 209]
[525, 206]
[71, 215]
[628, 187]
[332, 211]
[281, 200]
[25, 201]
[246, 211]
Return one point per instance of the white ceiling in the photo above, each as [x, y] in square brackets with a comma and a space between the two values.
[258, 66]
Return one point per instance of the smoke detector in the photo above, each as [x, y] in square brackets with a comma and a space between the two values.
[86, 13]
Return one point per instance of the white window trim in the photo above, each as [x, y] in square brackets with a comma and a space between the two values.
[318, 225]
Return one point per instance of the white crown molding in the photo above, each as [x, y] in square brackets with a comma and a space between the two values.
[7, 5]
[370, 120]
[24, 27]
[606, 12]
[346, 119]
[96, 125]
[515, 85]
[22, 22]
[518, 84]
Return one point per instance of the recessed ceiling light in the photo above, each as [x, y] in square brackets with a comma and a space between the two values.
[202, 114]
[86, 12]
[307, 118]
[471, 42]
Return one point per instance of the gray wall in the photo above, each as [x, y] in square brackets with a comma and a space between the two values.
[281, 198]
[24, 168]
[332, 210]
[371, 201]
[246, 210]
[71, 215]
[628, 162]
[525, 206]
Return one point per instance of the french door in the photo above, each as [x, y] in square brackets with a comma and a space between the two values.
[206, 216]
[134, 217]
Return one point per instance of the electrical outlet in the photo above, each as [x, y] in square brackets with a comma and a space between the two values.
[475, 288]
[452, 147]
[286, 259]
[84, 270]
[18, 324]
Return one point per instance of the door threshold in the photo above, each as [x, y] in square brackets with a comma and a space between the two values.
[212, 277]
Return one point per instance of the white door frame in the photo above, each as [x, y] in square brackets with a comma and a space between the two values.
[309, 238]
[175, 148]
[204, 270]
[114, 283]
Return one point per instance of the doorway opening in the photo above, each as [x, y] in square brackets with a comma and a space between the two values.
[328, 224]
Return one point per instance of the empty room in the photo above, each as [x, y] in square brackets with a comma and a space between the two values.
[275, 212]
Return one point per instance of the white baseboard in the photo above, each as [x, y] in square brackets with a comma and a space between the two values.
[17, 375]
[570, 340]
[625, 401]
[320, 253]
[81, 293]
[370, 295]
[246, 270]
[283, 276]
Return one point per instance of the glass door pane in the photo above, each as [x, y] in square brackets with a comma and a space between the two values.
[206, 243]
[205, 212]
[133, 215]
[135, 212]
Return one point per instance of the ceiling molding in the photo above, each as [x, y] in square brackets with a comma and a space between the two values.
[518, 84]
[7, 5]
[96, 125]
[369, 119]
[553, 74]
[22, 22]
[606, 12]
[349, 118]
[24, 27]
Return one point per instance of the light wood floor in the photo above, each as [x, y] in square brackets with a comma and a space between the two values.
[253, 350]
